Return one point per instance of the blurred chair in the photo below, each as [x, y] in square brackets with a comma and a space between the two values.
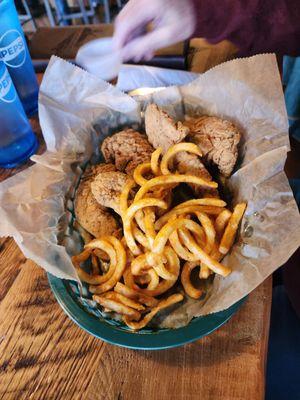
[62, 14]
[27, 16]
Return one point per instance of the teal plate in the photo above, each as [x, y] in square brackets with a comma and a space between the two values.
[115, 333]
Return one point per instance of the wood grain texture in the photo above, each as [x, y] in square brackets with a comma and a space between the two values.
[228, 364]
[44, 355]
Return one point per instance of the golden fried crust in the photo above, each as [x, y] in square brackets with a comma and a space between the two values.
[94, 218]
[218, 140]
[186, 163]
[127, 149]
[161, 130]
[107, 188]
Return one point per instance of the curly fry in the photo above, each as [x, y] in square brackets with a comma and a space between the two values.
[142, 279]
[154, 279]
[173, 299]
[221, 222]
[181, 251]
[139, 219]
[186, 280]
[140, 237]
[173, 150]
[127, 220]
[124, 300]
[119, 269]
[81, 257]
[204, 258]
[101, 254]
[157, 263]
[139, 265]
[105, 246]
[206, 201]
[204, 271]
[208, 229]
[212, 210]
[95, 265]
[117, 307]
[149, 220]
[154, 161]
[129, 185]
[232, 227]
[215, 254]
[134, 295]
[163, 180]
[164, 285]
[145, 262]
[165, 232]
[139, 171]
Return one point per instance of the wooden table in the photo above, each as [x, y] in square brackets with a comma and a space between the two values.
[44, 355]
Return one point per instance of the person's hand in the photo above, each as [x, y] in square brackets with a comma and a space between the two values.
[172, 21]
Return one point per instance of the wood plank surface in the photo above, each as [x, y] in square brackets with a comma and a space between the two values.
[44, 355]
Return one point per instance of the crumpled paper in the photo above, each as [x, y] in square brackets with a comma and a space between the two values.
[140, 76]
[77, 111]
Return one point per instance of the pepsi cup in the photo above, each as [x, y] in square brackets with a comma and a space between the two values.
[17, 141]
[15, 54]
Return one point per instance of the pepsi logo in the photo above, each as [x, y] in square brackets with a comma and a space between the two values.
[12, 49]
[8, 92]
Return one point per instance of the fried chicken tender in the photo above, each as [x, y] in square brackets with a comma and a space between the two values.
[127, 149]
[218, 140]
[94, 218]
[107, 188]
[161, 130]
[187, 163]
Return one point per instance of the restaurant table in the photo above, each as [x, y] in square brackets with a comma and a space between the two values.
[44, 355]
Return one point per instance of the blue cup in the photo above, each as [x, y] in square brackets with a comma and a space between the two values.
[14, 52]
[17, 140]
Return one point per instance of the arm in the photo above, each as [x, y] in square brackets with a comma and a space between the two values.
[254, 26]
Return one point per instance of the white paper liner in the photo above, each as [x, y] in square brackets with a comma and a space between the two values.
[78, 110]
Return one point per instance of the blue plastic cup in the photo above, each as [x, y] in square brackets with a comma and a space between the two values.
[14, 52]
[17, 140]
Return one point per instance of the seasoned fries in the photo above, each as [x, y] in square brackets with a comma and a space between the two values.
[165, 180]
[128, 216]
[155, 161]
[118, 307]
[186, 280]
[161, 246]
[175, 298]
[140, 171]
[231, 228]
[124, 195]
[186, 210]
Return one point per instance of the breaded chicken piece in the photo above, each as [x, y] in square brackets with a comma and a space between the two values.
[161, 130]
[187, 163]
[127, 149]
[91, 172]
[107, 188]
[218, 140]
[94, 218]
